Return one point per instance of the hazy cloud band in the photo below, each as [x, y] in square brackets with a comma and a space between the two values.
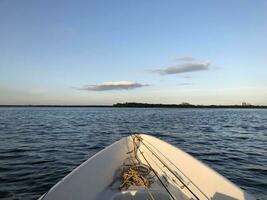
[119, 85]
[185, 58]
[183, 68]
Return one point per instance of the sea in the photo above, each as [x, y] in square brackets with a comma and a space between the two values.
[41, 145]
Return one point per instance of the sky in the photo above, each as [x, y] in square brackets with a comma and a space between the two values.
[105, 52]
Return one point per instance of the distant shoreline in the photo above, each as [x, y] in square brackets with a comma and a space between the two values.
[143, 105]
[183, 105]
[47, 106]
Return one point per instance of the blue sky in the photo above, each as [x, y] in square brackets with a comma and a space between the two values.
[104, 52]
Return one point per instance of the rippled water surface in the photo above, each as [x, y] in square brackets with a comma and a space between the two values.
[39, 146]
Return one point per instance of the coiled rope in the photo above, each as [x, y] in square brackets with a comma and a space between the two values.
[135, 173]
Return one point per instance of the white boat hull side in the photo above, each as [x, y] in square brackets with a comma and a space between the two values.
[93, 176]
[215, 186]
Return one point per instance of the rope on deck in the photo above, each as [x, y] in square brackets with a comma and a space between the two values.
[135, 173]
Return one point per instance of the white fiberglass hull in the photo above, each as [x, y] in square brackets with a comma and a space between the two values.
[179, 175]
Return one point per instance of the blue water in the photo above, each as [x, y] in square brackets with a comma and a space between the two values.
[39, 146]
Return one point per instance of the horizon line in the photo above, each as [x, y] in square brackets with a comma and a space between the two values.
[138, 104]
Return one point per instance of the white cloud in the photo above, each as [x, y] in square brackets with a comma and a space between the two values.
[183, 68]
[114, 85]
[185, 58]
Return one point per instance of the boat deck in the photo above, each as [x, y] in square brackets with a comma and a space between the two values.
[144, 167]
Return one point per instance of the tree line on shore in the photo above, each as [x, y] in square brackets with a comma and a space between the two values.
[182, 105]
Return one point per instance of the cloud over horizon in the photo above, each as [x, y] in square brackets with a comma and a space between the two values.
[114, 85]
[185, 58]
[183, 68]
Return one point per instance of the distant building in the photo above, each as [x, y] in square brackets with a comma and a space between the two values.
[185, 104]
[244, 103]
